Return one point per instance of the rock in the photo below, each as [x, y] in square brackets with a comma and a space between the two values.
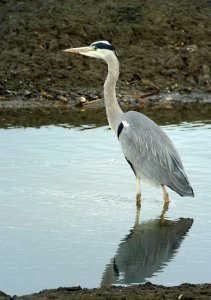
[62, 98]
[167, 100]
[192, 48]
[206, 69]
[132, 101]
[82, 100]
[94, 96]
[24, 93]
[206, 76]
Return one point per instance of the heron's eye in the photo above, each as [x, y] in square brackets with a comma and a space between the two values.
[94, 47]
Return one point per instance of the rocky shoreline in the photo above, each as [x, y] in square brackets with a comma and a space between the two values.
[147, 291]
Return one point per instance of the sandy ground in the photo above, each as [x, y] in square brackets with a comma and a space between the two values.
[163, 46]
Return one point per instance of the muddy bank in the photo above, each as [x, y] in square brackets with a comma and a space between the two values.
[89, 116]
[162, 45]
[146, 291]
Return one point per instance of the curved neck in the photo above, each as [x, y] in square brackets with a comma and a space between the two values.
[113, 109]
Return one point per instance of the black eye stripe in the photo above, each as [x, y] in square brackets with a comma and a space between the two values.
[104, 46]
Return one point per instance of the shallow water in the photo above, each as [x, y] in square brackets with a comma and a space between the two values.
[68, 214]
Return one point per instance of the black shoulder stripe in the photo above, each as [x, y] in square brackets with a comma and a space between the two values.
[119, 129]
[131, 166]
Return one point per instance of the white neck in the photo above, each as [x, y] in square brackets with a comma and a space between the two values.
[113, 109]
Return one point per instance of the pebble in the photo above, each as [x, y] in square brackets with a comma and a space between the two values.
[166, 101]
[82, 100]
[132, 101]
[62, 98]
[192, 48]
[24, 93]
[93, 96]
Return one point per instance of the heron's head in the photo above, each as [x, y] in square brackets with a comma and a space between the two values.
[100, 49]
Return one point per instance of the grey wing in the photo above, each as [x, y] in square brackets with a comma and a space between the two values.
[151, 153]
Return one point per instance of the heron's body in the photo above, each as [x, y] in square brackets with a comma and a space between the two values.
[149, 151]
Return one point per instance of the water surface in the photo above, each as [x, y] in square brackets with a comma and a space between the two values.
[68, 214]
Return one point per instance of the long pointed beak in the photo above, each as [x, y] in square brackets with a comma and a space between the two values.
[82, 50]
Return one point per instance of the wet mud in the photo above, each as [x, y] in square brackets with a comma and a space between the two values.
[146, 291]
[57, 115]
[162, 46]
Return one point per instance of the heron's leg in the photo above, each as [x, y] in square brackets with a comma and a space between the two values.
[165, 194]
[138, 209]
[165, 208]
[138, 192]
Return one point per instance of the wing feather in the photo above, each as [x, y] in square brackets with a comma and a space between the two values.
[151, 152]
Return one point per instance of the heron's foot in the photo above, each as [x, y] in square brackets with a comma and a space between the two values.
[165, 194]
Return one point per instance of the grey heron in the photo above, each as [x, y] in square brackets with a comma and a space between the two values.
[146, 147]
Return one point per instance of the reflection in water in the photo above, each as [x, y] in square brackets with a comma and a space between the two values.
[146, 250]
[96, 116]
